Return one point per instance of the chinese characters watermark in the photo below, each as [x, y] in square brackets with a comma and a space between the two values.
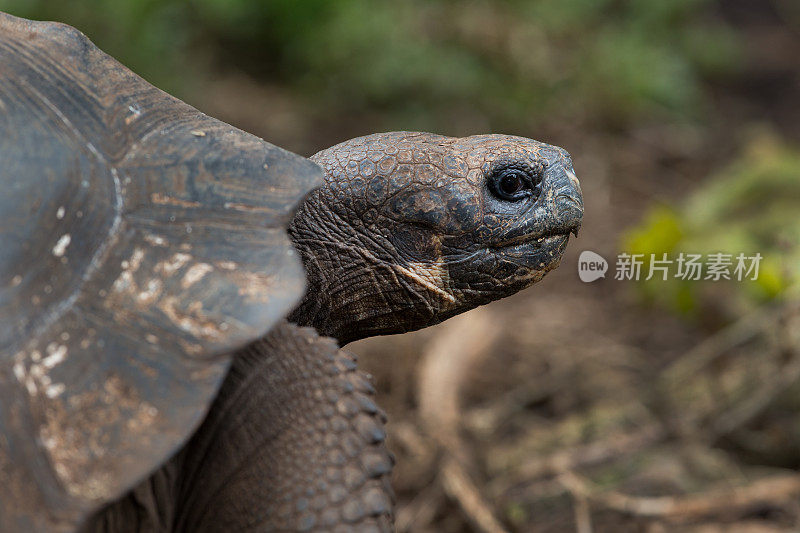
[686, 266]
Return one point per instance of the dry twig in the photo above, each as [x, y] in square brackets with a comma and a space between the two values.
[775, 489]
[444, 368]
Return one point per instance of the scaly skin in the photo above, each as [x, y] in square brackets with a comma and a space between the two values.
[408, 230]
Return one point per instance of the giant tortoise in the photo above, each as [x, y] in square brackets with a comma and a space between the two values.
[173, 297]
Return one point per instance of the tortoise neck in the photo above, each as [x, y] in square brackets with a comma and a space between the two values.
[353, 292]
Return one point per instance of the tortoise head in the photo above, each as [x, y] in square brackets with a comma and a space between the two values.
[410, 229]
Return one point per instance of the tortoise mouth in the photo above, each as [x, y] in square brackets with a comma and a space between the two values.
[535, 240]
[539, 254]
[521, 262]
[527, 245]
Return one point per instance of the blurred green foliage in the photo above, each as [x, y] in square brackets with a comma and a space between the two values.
[749, 207]
[512, 61]
[150, 36]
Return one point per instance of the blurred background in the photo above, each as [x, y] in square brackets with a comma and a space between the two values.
[606, 406]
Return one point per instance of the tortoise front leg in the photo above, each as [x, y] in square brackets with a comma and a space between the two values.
[292, 443]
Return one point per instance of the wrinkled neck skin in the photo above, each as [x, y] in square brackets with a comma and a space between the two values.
[360, 284]
[406, 233]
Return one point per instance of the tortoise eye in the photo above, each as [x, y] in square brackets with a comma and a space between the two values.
[511, 184]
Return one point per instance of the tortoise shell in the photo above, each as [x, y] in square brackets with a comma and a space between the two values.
[141, 242]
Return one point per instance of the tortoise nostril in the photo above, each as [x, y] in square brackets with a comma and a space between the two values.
[569, 199]
[573, 178]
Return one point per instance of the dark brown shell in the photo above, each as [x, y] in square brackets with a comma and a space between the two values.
[140, 243]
